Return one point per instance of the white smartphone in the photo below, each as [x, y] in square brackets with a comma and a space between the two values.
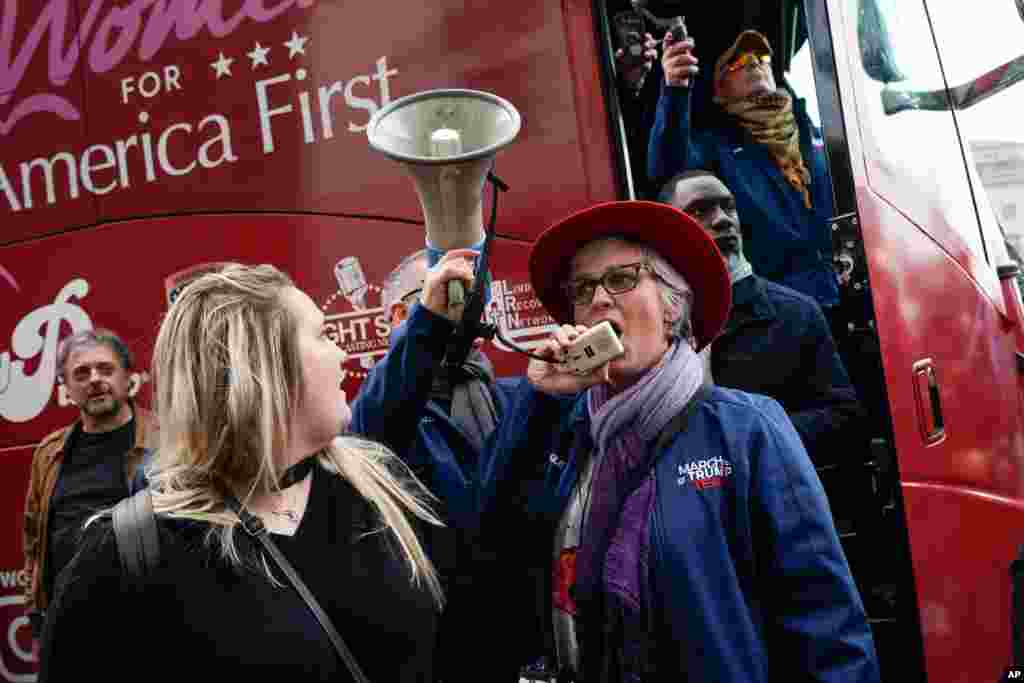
[593, 348]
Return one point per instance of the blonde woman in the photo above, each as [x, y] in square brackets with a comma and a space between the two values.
[247, 391]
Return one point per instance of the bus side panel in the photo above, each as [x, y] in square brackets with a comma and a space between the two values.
[927, 308]
[591, 111]
[965, 607]
[41, 187]
[79, 288]
[270, 115]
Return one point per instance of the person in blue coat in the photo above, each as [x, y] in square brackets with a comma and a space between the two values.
[765, 148]
[462, 409]
[687, 533]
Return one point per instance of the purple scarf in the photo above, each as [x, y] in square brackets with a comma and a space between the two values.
[615, 547]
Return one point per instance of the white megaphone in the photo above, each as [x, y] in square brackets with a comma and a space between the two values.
[447, 140]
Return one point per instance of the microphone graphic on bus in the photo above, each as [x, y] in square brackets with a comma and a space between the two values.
[353, 286]
[352, 282]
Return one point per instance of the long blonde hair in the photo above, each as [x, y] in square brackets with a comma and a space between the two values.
[228, 376]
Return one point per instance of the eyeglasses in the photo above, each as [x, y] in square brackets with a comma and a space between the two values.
[745, 59]
[617, 280]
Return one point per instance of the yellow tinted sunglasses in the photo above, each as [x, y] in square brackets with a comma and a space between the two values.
[747, 58]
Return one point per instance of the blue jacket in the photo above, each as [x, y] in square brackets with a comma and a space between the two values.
[790, 243]
[777, 343]
[435, 448]
[441, 455]
[748, 567]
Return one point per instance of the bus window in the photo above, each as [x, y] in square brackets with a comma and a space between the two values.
[913, 149]
[981, 46]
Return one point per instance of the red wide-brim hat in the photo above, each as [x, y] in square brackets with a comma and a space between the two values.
[678, 238]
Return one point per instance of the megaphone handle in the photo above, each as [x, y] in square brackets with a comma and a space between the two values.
[456, 297]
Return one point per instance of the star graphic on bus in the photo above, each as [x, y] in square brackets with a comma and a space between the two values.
[296, 45]
[259, 56]
[222, 66]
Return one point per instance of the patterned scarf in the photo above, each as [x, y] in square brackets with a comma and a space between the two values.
[769, 120]
[615, 550]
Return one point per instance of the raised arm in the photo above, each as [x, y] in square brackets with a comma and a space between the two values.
[669, 148]
[393, 396]
[391, 400]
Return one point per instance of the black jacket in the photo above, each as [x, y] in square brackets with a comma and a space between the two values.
[777, 343]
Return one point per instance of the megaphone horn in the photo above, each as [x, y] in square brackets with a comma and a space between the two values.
[447, 140]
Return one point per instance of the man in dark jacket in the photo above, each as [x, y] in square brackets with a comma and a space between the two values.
[465, 405]
[776, 341]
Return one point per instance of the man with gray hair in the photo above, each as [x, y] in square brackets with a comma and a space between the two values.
[465, 397]
[465, 405]
[86, 466]
[403, 286]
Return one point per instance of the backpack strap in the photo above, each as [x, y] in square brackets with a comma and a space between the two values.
[138, 543]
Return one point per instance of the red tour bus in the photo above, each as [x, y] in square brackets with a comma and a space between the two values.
[146, 141]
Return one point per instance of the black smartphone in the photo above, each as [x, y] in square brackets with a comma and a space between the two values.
[629, 28]
[678, 28]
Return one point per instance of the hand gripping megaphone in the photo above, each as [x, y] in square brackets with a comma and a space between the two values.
[447, 141]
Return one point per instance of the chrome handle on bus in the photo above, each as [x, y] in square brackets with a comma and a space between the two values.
[929, 402]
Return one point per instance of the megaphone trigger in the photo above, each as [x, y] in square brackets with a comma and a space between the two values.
[456, 298]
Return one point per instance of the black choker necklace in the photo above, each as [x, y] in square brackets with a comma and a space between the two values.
[298, 471]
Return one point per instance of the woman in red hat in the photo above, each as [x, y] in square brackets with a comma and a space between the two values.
[689, 534]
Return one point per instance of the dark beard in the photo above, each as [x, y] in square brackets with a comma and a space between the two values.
[108, 410]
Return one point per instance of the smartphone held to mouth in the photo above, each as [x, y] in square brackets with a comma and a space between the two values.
[593, 348]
